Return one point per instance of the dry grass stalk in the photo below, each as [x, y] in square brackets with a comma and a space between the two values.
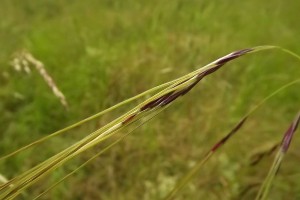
[25, 59]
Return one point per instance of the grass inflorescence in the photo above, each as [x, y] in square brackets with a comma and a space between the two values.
[135, 117]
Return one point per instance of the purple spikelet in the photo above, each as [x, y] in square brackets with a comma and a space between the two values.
[232, 56]
[289, 134]
[156, 102]
[171, 96]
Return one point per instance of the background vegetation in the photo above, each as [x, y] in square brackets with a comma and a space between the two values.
[102, 52]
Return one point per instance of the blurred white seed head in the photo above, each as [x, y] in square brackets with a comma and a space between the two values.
[23, 61]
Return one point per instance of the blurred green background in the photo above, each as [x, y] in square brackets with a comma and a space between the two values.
[102, 52]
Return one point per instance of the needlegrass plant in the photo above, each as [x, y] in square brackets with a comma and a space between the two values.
[137, 116]
[100, 53]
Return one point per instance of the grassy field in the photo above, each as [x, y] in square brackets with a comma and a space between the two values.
[102, 52]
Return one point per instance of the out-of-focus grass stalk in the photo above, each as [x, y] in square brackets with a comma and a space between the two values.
[287, 138]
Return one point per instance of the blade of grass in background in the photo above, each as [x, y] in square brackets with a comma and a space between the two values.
[287, 138]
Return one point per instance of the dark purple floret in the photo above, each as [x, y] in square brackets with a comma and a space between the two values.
[156, 102]
[233, 55]
[242, 52]
[209, 71]
[171, 98]
[227, 59]
[199, 77]
[187, 89]
[181, 92]
[224, 139]
[289, 134]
